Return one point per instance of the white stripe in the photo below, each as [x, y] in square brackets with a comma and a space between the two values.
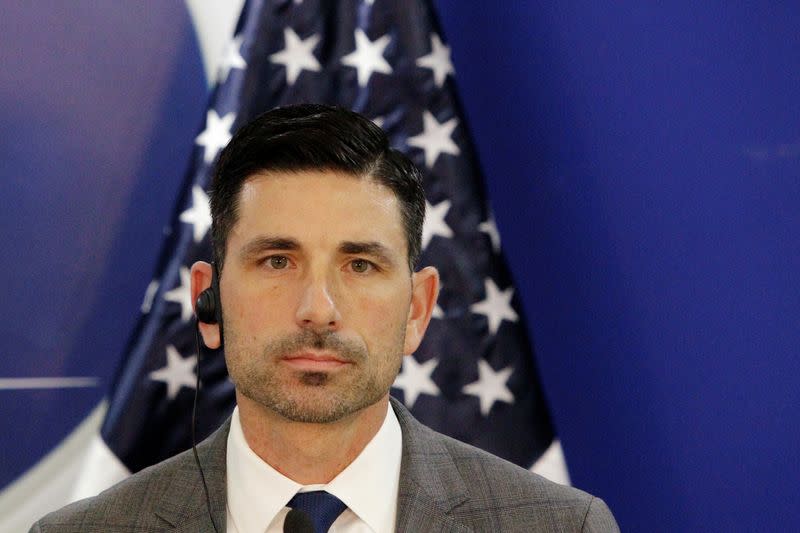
[100, 469]
[553, 465]
[214, 23]
[48, 485]
[47, 383]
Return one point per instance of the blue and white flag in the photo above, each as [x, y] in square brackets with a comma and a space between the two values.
[474, 377]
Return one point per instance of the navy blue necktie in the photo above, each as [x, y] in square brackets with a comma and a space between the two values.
[321, 506]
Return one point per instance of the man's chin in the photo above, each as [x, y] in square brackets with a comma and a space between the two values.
[314, 379]
[315, 405]
[309, 413]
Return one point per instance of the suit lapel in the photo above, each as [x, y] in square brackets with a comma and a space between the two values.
[183, 504]
[430, 484]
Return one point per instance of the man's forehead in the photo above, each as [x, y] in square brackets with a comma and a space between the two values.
[335, 180]
[319, 202]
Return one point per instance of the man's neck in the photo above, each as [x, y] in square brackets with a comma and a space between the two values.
[309, 454]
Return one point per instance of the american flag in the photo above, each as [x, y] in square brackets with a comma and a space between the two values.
[474, 377]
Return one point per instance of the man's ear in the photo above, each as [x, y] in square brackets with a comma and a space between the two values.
[202, 273]
[424, 291]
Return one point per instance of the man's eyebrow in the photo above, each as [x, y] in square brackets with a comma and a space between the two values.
[268, 242]
[372, 248]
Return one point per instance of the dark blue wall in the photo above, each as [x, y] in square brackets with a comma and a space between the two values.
[99, 106]
[654, 154]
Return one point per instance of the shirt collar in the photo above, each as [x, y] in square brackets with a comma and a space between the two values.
[369, 485]
[256, 491]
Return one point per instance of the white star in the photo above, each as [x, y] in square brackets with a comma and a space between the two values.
[368, 57]
[182, 294]
[216, 135]
[435, 138]
[415, 379]
[490, 228]
[496, 306]
[232, 59]
[434, 222]
[297, 55]
[490, 387]
[199, 215]
[438, 60]
[178, 373]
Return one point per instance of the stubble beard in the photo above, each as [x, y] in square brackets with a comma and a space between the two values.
[309, 396]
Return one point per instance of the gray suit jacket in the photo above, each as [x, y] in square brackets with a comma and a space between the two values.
[445, 485]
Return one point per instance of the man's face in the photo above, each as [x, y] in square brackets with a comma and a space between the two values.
[316, 294]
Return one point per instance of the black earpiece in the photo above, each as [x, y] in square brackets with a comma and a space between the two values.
[209, 311]
[207, 306]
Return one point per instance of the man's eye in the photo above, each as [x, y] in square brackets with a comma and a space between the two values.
[360, 265]
[278, 262]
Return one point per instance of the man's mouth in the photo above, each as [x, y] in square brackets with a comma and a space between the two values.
[315, 361]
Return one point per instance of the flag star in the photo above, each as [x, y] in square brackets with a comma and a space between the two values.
[496, 306]
[232, 59]
[178, 373]
[490, 228]
[435, 138]
[216, 135]
[368, 57]
[438, 60]
[297, 55]
[182, 294]
[490, 387]
[199, 215]
[415, 379]
[434, 222]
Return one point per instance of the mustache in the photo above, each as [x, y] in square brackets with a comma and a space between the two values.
[311, 340]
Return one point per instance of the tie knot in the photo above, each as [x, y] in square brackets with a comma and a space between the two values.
[323, 508]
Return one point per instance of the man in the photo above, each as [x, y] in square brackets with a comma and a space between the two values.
[316, 230]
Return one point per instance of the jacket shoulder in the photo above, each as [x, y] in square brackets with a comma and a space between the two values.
[444, 478]
[505, 497]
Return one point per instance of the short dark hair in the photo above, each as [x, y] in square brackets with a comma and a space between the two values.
[313, 137]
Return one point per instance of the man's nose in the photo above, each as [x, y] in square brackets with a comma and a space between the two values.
[317, 307]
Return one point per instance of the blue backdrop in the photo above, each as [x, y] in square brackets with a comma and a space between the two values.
[643, 167]
[99, 107]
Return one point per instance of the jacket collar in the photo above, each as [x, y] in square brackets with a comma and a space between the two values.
[183, 504]
[430, 484]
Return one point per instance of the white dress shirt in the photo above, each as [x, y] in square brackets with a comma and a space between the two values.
[258, 494]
